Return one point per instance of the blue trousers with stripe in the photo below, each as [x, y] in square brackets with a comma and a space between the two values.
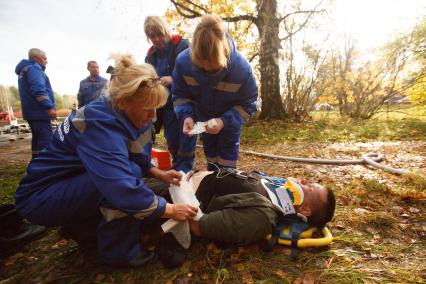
[222, 148]
[42, 133]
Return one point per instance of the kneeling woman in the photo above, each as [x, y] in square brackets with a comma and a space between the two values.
[89, 178]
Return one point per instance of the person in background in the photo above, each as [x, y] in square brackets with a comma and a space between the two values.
[89, 180]
[37, 100]
[162, 55]
[92, 87]
[213, 82]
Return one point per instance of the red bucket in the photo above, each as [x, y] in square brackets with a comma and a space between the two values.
[161, 159]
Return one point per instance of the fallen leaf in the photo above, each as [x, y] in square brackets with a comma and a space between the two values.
[211, 247]
[414, 210]
[409, 240]
[205, 276]
[358, 192]
[397, 209]
[280, 273]
[247, 279]
[100, 277]
[248, 250]
[361, 211]
[183, 280]
[371, 230]
[240, 267]
[309, 278]
[404, 226]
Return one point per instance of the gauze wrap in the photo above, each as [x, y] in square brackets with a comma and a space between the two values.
[182, 194]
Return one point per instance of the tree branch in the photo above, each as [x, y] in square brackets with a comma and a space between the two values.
[310, 14]
[185, 11]
[247, 17]
[253, 57]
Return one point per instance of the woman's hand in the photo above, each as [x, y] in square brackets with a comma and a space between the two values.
[188, 125]
[180, 212]
[217, 128]
[166, 81]
[172, 177]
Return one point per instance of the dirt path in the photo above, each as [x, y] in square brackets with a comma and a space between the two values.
[15, 149]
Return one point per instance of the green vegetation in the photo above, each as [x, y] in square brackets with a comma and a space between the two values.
[331, 127]
[9, 179]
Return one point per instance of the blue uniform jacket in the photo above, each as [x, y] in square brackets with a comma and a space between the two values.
[101, 142]
[35, 90]
[90, 90]
[176, 45]
[230, 94]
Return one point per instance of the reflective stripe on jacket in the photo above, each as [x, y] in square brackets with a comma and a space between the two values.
[100, 141]
[230, 95]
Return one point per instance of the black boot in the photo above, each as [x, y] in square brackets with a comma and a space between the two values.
[14, 232]
[170, 252]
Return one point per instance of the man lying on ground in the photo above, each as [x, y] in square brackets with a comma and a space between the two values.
[242, 208]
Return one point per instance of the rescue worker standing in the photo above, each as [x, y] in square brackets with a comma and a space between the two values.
[162, 55]
[92, 87]
[89, 179]
[37, 101]
[212, 80]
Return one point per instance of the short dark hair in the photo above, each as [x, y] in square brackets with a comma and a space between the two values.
[91, 62]
[324, 213]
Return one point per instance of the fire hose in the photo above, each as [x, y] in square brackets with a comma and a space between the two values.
[371, 159]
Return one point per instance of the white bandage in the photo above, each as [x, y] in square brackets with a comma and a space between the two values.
[200, 126]
[182, 194]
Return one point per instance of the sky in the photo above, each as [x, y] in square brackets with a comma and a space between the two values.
[73, 32]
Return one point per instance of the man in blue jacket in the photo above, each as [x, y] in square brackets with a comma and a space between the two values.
[37, 101]
[92, 87]
[213, 81]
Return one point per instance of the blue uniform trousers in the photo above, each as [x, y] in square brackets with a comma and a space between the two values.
[221, 150]
[74, 203]
[41, 131]
[181, 146]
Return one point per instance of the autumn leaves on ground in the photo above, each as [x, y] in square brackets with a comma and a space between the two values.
[379, 228]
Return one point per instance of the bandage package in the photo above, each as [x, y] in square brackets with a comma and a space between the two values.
[200, 126]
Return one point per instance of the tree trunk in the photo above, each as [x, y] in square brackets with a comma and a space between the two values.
[268, 26]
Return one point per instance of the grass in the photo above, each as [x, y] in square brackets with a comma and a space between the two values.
[9, 180]
[330, 127]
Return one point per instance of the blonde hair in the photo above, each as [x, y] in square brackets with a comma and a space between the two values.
[136, 82]
[209, 42]
[156, 23]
